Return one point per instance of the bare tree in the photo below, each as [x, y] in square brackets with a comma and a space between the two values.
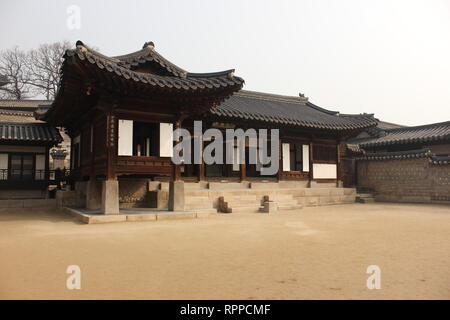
[43, 68]
[13, 66]
[36, 72]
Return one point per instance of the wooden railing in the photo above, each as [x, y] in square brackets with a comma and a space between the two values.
[35, 178]
[143, 165]
[294, 175]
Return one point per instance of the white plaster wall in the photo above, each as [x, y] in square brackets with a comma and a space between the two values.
[125, 145]
[165, 139]
[305, 157]
[324, 171]
[236, 165]
[286, 157]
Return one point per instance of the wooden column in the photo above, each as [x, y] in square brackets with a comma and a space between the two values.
[243, 171]
[340, 174]
[201, 171]
[176, 169]
[111, 146]
[107, 105]
[47, 162]
[201, 165]
[92, 142]
[280, 161]
[311, 174]
[110, 187]
[71, 165]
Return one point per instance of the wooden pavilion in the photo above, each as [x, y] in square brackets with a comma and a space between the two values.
[120, 113]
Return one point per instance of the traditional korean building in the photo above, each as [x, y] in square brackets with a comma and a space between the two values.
[26, 146]
[404, 164]
[120, 113]
[24, 152]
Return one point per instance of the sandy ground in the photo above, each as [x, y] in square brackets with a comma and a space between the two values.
[313, 253]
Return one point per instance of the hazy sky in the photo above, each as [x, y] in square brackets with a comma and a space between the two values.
[391, 58]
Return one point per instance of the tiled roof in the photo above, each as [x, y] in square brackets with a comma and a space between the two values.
[149, 67]
[407, 135]
[21, 110]
[28, 132]
[388, 125]
[287, 110]
[24, 105]
[396, 155]
[404, 155]
[17, 116]
[13, 112]
[440, 160]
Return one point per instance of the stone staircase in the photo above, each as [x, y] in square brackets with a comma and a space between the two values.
[365, 198]
[253, 202]
[365, 195]
[197, 198]
[248, 197]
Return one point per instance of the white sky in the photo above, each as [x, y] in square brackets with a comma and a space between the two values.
[391, 58]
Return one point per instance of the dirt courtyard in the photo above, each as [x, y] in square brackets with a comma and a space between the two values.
[313, 253]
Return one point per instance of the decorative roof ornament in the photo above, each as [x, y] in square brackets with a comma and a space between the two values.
[58, 154]
[149, 45]
[80, 46]
[302, 95]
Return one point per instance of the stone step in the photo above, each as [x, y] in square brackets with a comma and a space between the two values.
[195, 200]
[365, 195]
[365, 200]
[245, 198]
[265, 185]
[246, 209]
[203, 204]
[205, 212]
[227, 185]
[196, 206]
[282, 196]
[195, 185]
[294, 193]
[196, 193]
[236, 204]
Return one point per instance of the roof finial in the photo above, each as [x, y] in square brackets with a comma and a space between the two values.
[80, 45]
[302, 95]
[149, 45]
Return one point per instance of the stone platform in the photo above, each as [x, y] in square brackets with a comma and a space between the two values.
[131, 215]
[248, 197]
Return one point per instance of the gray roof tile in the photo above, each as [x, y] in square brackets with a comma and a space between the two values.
[407, 135]
[131, 66]
[28, 132]
[295, 111]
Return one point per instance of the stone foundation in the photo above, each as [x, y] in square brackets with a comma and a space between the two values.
[110, 197]
[133, 193]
